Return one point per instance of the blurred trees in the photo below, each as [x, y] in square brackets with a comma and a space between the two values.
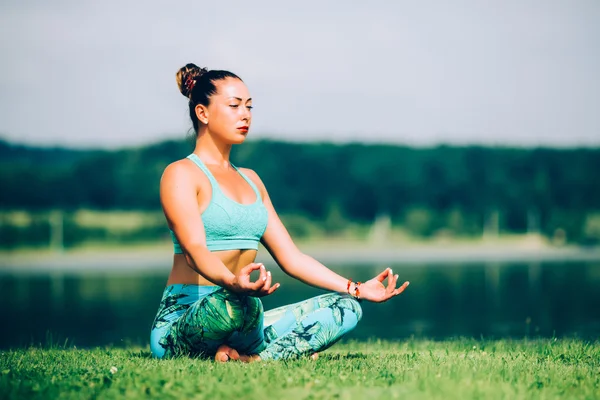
[422, 189]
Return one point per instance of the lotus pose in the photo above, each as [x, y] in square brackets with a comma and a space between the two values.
[217, 214]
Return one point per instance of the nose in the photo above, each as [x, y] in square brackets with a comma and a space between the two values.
[246, 114]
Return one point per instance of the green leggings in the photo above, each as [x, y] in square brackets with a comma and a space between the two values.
[195, 320]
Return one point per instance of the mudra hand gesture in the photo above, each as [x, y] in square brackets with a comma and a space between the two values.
[259, 288]
[375, 291]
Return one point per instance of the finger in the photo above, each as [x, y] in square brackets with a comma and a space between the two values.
[394, 283]
[259, 283]
[401, 288]
[249, 268]
[267, 284]
[274, 288]
[391, 283]
[263, 274]
[381, 277]
[262, 293]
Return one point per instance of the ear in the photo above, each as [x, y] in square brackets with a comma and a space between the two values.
[202, 113]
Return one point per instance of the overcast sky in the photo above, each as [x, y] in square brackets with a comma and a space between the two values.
[516, 72]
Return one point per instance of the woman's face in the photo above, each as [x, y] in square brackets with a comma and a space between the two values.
[229, 113]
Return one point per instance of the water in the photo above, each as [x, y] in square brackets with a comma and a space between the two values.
[492, 300]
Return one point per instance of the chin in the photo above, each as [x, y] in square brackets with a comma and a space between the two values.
[239, 138]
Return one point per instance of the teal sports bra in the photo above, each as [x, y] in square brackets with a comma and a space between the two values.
[229, 225]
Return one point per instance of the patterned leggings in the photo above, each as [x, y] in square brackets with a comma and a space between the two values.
[195, 320]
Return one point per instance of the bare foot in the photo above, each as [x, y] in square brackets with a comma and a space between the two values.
[314, 356]
[249, 358]
[226, 353]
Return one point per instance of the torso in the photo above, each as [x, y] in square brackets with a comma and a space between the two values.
[233, 185]
[234, 260]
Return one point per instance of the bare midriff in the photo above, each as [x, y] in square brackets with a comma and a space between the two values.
[234, 260]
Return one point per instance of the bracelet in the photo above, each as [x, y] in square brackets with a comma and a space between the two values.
[356, 293]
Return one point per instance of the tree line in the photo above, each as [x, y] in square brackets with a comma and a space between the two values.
[544, 189]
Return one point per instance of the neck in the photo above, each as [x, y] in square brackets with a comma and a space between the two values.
[212, 151]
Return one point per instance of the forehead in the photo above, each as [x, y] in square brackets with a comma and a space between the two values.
[231, 87]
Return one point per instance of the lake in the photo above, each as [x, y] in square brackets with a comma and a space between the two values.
[490, 299]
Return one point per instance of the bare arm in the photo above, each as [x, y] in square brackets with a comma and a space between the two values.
[178, 195]
[278, 242]
[292, 261]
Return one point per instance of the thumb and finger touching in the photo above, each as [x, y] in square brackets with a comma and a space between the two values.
[381, 277]
[263, 284]
[262, 277]
[249, 268]
[390, 289]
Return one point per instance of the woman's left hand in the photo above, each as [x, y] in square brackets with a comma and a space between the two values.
[375, 291]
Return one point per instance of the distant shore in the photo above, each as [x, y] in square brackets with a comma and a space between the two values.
[158, 257]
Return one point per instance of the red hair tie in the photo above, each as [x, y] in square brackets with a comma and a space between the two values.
[189, 84]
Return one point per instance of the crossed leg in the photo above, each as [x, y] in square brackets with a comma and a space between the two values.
[309, 326]
[234, 327]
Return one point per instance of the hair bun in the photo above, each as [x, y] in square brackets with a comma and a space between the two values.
[186, 78]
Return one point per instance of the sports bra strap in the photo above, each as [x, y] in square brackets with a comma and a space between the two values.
[212, 179]
[252, 185]
[204, 169]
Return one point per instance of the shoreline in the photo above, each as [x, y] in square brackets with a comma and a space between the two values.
[158, 257]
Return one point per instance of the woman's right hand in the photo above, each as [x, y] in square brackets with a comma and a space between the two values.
[261, 287]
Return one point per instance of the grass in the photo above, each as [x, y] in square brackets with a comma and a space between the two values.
[460, 368]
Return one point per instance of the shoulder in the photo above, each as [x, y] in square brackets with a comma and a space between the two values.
[177, 170]
[253, 176]
[184, 172]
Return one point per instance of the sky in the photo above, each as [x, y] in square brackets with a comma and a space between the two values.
[505, 72]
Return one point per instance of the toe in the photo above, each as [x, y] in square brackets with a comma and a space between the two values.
[233, 354]
[222, 354]
[249, 358]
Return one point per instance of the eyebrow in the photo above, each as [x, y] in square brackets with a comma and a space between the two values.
[237, 98]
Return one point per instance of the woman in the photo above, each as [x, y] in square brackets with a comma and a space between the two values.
[217, 214]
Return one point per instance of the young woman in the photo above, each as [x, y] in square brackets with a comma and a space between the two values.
[217, 214]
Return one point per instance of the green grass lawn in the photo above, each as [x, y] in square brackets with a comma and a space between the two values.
[461, 368]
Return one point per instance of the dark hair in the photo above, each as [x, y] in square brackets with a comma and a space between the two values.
[198, 84]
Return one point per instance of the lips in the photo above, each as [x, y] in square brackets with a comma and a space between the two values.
[243, 128]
